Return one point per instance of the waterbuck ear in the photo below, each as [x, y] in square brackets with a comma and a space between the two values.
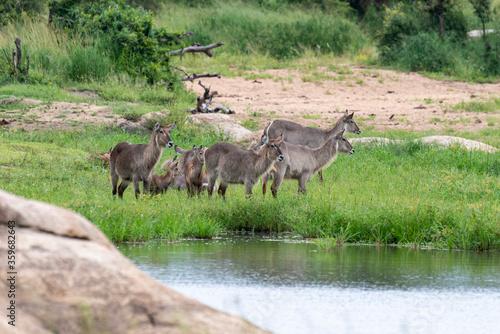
[195, 149]
[349, 116]
[264, 140]
[340, 134]
[174, 159]
[157, 126]
[280, 139]
[171, 126]
[178, 150]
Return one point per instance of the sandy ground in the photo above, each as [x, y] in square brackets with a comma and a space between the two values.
[380, 99]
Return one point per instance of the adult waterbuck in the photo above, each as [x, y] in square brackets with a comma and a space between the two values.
[135, 163]
[234, 165]
[312, 137]
[161, 183]
[301, 162]
[193, 171]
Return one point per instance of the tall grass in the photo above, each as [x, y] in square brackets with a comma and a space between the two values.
[247, 29]
[395, 194]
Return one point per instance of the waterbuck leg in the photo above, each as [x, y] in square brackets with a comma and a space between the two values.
[264, 185]
[248, 187]
[122, 188]
[222, 189]
[320, 175]
[135, 180]
[302, 184]
[146, 186]
[276, 184]
[114, 181]
[211, 184]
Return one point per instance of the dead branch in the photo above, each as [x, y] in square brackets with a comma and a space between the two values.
[196, 48]
[203, 103]
[196, 76]
[15, 62]
[18, 50]
[189, 33]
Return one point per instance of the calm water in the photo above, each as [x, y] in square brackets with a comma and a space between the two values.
[291, 287]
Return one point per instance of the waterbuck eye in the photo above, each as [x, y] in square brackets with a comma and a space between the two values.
[273, 146]
[161, 131]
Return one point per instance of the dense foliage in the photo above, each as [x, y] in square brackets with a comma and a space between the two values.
[412, 39]
[134, 42]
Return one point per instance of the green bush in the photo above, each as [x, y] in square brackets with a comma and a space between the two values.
[136, 45]
[424, 52]
[11, 10]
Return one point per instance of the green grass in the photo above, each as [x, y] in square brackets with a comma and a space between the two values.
[395, 194]
[489, 106]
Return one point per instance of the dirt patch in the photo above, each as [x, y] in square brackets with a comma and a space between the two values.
[381, 99]
[36, 114]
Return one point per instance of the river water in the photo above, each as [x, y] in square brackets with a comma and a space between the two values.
[287, 286]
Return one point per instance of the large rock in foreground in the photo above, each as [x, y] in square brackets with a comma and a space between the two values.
[71, 279]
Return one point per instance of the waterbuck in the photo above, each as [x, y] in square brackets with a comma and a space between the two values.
[234, 165]
[161, 183]
[301, 162]
[312, 137]
[193, 171]
[135, 163]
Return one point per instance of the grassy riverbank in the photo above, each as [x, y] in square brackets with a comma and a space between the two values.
[395, 194]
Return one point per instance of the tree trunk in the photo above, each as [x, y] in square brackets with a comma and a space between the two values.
[441, 18]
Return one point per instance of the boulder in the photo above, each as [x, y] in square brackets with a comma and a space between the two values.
[229, 127]
[71, 279]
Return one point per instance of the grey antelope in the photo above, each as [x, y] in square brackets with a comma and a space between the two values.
[312, 137]
[135, 163]
[234, 165]
[301, 162]
[193, 171]
[161, 183]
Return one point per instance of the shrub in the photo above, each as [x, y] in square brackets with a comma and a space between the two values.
[136, 45]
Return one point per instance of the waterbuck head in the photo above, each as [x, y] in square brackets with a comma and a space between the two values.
[343, 144]
[172, 165]
[199, 153]
[161, 135]
[272, 147]
[349, 124]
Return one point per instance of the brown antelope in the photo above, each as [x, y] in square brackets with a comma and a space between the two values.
[234, 165]
[193, 171]
[135, 163]
[186, 155]
[312, 137]
[161, 183]
[301, 162]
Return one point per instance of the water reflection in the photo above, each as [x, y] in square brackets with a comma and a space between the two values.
[290, 287]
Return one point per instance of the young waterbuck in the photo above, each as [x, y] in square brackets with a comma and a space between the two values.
[193, 171]
[161, 183]
[301, 162]
[233, 165]
[135, 163]
[312, 137]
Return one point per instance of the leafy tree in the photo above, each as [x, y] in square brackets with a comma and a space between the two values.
[482, 8]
